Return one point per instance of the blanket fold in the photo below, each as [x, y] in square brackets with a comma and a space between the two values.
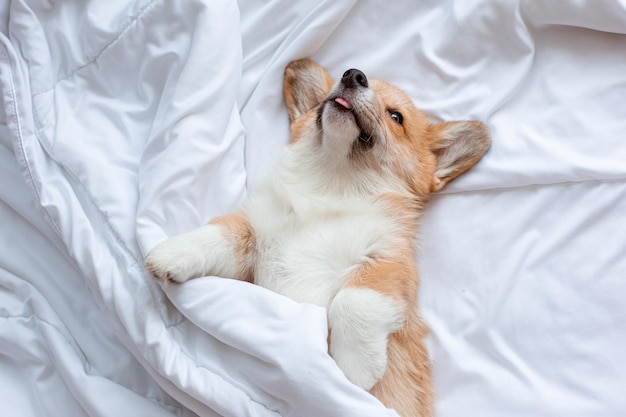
[123, 123]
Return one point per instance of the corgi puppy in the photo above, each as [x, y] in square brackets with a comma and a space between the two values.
[334, 224]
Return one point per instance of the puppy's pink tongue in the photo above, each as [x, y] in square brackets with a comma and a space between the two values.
[343, 102]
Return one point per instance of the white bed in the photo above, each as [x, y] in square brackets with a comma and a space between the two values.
[122, 123]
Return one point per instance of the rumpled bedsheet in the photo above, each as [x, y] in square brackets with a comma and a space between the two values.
[123, 123]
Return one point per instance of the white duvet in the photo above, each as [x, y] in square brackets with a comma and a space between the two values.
[123, 123]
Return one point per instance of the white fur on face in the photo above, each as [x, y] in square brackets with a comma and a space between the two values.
[339, 126]
[339, 131]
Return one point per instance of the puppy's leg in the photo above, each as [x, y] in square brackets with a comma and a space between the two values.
[360, 322]
[224, 247]
[363, 314]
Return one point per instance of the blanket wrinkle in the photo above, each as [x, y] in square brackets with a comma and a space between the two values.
[90, 59]
[123, 123]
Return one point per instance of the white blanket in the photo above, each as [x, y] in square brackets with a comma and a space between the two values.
[123, 123]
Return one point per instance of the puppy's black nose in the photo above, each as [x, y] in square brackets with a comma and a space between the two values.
[354, 78]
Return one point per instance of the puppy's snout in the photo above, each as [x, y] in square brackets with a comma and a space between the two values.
[354, 78]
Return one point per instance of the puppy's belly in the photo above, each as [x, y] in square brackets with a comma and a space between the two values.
[308, 277]
[310, 264]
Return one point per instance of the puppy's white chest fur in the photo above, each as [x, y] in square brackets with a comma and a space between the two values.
[309, 239]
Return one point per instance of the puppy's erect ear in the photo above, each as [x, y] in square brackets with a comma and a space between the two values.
[306, 85]
[458, 146]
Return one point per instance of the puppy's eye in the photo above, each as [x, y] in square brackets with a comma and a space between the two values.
[396, 116]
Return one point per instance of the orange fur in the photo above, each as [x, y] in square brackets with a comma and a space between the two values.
[306, 83]
[406, 385]
[240, 235]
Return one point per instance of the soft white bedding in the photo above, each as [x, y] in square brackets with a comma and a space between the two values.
[122, 123]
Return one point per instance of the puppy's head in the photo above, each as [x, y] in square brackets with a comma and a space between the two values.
[363, 124]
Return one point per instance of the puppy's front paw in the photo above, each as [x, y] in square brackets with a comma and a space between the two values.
[174, 260]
